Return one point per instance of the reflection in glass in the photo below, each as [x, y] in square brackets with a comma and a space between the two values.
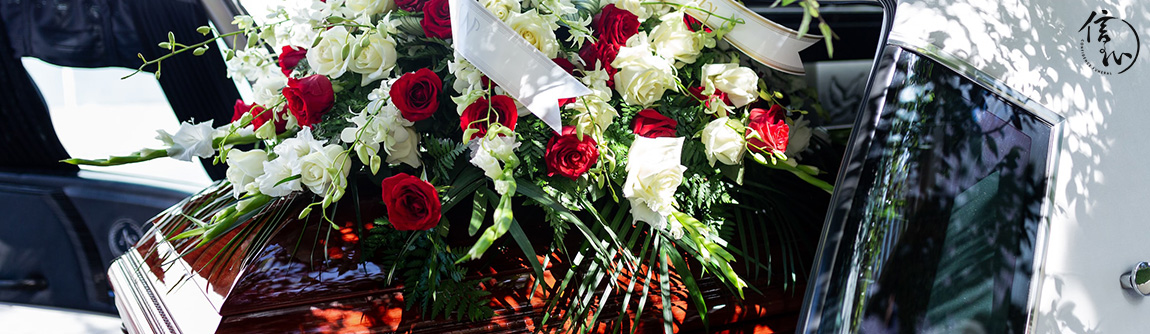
[940, 234]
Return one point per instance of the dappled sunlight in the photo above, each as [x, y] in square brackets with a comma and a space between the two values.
[1033, 48]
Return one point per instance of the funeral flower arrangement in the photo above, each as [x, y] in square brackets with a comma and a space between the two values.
[642, 167]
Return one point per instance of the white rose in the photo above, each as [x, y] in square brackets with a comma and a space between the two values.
[740, 83]
[268, 90]
[641, 10]
[643, 77]
[672, 40]
[325, 168]
[654, 173]
[405, 149]
[374, 57]
[643, 85]
[243, 169]
[723, 140]
[327, 57]
[502, 8]
[537, 30]
[370, 7]
[800, 136]
[190, 140]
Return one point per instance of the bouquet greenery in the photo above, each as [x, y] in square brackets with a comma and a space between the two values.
[640, 173]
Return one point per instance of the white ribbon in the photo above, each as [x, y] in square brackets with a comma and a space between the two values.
[764, 41]
[513, 63]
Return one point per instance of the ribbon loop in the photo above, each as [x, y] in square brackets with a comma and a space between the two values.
[764, 41]
[513, 63]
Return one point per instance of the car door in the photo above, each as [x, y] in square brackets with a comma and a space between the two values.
[995, 180]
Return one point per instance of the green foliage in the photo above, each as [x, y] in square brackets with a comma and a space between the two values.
[431, 279]
[442, 156]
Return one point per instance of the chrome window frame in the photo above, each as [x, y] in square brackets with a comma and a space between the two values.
[847, 181]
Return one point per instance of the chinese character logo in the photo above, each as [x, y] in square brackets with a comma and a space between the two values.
[1109, 45]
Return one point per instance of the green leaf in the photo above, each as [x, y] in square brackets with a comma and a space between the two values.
[806, 23]
[692, 288]
[289, 179]
[828, 35]
[478, 213]
[665, 293]
[524, 243]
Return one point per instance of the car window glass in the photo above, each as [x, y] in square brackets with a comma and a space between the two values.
[946, 211]
[96, 114]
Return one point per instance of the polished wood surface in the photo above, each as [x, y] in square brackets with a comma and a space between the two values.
[308, 277]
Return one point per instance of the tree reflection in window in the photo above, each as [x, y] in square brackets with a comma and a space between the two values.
[946, 211]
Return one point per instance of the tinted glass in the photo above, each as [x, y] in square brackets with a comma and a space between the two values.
[941, 228]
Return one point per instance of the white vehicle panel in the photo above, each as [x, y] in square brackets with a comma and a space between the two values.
[1044, 52]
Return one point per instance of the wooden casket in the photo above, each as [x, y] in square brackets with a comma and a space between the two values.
[277, 273]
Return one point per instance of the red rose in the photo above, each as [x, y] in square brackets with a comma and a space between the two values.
[614, 26]
[260, 116]
[436, 19]
[720, 95]
[694, 24]
[289, 57]
[651, 124]
[568, 156]
[566, 65]
[500, 109]
[412, 204]
[410, 5]
[771, 130]
[416, 94]
[602, 54]
[240, 109]
[309, 98]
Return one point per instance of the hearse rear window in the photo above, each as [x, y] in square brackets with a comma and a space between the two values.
[941, 231]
